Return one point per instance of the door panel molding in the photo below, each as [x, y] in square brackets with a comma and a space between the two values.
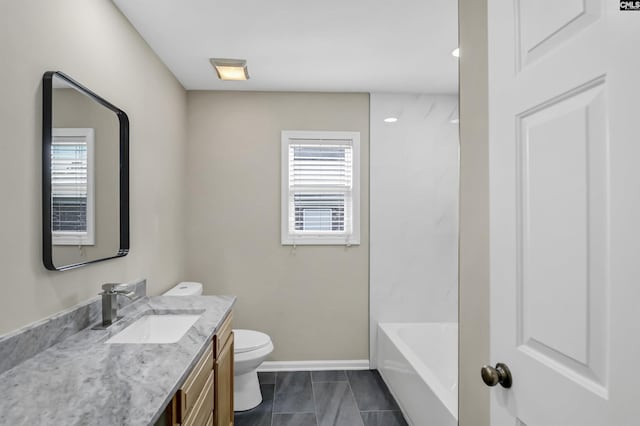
[538, 32]
[562, 235]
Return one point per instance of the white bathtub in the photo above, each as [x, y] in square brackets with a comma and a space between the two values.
[419, 363]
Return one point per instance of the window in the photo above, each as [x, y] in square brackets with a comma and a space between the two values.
[72, 219]
[320, 188]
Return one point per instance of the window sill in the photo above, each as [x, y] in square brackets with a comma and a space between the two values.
[319, 241]
[70, 239]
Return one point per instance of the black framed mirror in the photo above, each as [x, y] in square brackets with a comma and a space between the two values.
[85, 175]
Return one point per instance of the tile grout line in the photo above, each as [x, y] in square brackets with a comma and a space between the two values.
[354, 397]
[273, 404]
[273, 413]
[352, 393]
[315, 404]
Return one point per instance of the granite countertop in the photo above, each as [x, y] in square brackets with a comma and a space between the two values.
[84, 381]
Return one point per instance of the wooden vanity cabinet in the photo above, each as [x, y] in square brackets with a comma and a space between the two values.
[206, 397]
[195, 388]
[223, 375]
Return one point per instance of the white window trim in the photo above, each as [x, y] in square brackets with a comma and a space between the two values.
[319, 239]
[71, 238]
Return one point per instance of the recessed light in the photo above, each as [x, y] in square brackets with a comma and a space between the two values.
[456, 52]
[230, 69]
[390, 119]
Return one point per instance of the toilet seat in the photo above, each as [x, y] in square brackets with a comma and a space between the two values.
[249, 340]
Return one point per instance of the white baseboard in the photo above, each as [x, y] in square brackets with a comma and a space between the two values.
[350, 364]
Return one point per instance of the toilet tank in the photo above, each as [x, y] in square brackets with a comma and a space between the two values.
[185, 288]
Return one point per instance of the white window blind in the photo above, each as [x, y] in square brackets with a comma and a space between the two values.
[320, 188]
[72, 186]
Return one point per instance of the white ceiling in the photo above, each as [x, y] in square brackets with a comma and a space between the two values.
[304, 45]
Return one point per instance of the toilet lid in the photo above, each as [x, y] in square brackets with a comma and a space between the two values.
[249, 340]
[185, 288]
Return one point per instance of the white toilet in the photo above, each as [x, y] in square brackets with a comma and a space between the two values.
[251, 348]
[185, 288]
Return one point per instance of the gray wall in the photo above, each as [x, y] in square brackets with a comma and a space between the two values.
[93, 43]
[474, 213]
[312, 300]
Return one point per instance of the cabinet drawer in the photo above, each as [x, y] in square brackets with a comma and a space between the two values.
[195, 384]
[203, 407]
[223, 334]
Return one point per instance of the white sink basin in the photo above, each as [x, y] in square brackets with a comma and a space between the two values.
[156, 329]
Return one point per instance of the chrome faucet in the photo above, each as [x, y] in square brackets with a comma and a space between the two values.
[109, 295]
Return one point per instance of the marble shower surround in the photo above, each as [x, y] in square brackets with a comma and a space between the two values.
[414, 210]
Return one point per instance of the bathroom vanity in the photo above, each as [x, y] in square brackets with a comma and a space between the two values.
[78, 378]
[206, 397]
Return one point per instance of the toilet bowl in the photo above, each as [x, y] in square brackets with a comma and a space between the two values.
[251, 348]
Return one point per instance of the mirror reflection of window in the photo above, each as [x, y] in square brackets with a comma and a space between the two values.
[72, 183]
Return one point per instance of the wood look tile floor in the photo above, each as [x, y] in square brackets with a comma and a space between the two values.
[323, 398]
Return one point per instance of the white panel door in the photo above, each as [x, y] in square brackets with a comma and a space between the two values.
[564, 95]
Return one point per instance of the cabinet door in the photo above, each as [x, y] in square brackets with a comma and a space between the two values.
[168, 417]
[223, 405]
